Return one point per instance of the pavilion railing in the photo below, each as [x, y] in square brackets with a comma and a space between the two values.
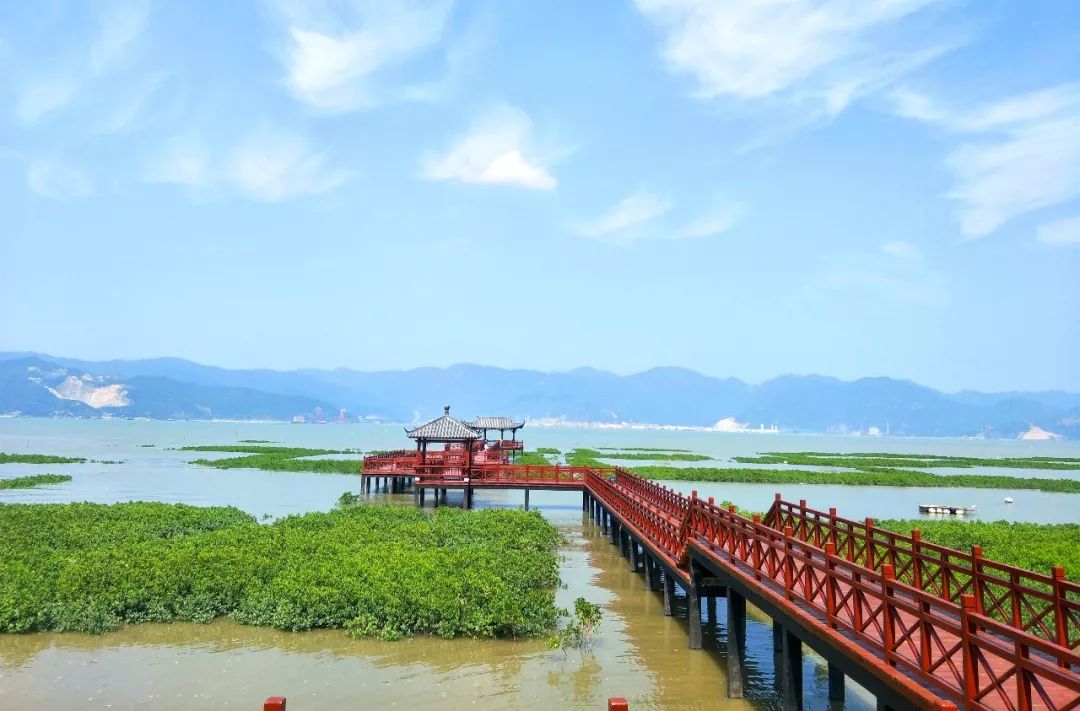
[1047, 606]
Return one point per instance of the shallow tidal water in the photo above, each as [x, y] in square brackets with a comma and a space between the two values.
[639, 653]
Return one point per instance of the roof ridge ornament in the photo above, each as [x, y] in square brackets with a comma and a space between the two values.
[446, 409]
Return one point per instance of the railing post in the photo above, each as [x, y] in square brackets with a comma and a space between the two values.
[789, 573]
[969, 650]
[1061, 622]
[916, 558]
[976, 575]
[617, 703]
[756, 553]
[832, 526]
[803, 533]
[274, 703]
[868, 550]
[774, 511]
[830, 584]
[888, 622]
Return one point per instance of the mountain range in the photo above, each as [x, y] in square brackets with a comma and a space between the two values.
[33, 384]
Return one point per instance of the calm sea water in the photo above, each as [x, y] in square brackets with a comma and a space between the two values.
[639, 654]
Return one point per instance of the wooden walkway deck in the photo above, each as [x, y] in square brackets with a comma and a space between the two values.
[921, 626]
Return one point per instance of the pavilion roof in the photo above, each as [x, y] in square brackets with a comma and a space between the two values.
[444, 429]
[495, 423]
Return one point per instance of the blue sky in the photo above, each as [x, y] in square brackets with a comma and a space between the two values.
[863, 187]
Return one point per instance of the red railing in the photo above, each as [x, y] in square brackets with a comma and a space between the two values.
[671, 501]
[397, 461]
[509, 444]
[651, 526]
[981, 663]
[520, 475]
[1047, 606]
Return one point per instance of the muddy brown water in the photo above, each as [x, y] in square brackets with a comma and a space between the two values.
[638, 653]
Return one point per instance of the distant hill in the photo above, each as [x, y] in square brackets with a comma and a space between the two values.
[35, 384]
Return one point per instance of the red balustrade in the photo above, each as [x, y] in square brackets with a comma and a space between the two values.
[1047, 606]
[980, 662]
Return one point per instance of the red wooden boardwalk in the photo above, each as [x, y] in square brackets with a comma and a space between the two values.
[927, 626]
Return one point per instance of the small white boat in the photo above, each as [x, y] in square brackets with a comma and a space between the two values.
[1008, 499]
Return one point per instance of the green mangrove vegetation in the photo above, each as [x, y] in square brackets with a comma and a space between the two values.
[386, 572]
[278, 459]
[593, 456]
[641, 449]
[867, 477]
[863, 460]
[6, 458]
[535, 458]
[34, 480]
[547, 450]
[1026, 545]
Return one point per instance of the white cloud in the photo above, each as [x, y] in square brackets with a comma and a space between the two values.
[632, 211]
[183, 162]
[271, 166]
[882, 276]
[1060, 232]
[496, 150]
[120, 28]
[332, 58]
[821, 53]
[56, 180]
[719, 219]
[1022, 154]
[267, 166]
[42, 97]
[72, 73]
[901, 249]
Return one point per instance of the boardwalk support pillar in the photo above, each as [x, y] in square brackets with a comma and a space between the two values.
[777, 636]
[836, 683]
[693, 608]
[650, 574]
[669, 592]
[736, 642]
[792, 672]
[633, 554]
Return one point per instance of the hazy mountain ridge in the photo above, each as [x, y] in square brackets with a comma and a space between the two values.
[176, 388]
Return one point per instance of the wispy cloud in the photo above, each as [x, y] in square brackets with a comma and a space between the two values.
[498, 149]
[721, 217]
[53, 85]
[41, 97]
[819, 54]
[266, 166]
[1020, 154]
[271, 166]
[333, 55]
[628, 214]
[894, 274]
[644, 215]
[1060, 232]
[58, 181]
[901, 250]
[183, 161]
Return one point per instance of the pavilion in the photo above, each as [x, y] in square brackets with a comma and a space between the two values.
[458, 439]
